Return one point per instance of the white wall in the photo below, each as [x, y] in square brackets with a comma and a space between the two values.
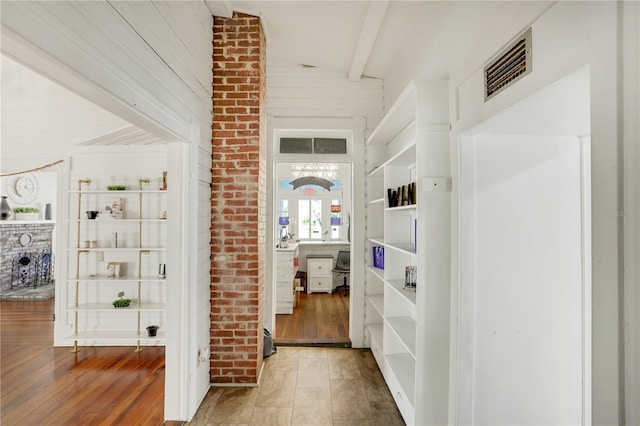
[560, 48]
[150, 64]
[523, 294]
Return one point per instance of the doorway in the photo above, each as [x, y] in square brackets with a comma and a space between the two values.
[312, 218]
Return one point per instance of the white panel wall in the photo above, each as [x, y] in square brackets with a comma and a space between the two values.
[523, 281]
[560, 48]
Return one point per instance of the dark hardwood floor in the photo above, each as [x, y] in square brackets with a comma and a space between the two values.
[319, 318]
[43, 385]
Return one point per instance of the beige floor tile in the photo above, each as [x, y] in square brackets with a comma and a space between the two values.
[312, 407]
[349, 401]
[343, 365]
[271, 416]
[285, 359]
[313, 353]
[307, 386]
[375, 386]
[234, 406]
[387, 413]
[277, 389]
[207, 407]
[313, 373]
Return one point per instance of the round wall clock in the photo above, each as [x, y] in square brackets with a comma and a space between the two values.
[22, 189]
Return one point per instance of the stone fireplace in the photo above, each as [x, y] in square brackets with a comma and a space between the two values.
[26, 258]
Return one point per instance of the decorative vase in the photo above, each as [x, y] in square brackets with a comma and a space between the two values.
[152, 330]
[47, 212]
[5, 209]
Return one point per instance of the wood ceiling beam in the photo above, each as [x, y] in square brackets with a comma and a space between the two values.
[370, 29]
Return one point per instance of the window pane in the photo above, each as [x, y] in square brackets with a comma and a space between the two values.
[336, 220]
[316, 219]
[329, 146]
[304, 219]
[296, 146]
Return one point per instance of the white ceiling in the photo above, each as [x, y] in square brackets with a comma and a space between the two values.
[408, 39]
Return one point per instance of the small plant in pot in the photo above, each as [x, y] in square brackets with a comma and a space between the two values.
[116, 187]
[121, 302]
[26, 213]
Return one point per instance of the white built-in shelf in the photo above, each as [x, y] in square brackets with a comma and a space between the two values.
[401, 113]
[403, 368]
[99, 278]
[93, 307]
[377, 201]
[377, 301]
[406, 157]
[376, 332]
[124, 192]
[398, 287]
[119, 336]
[377, 240]
[406, 248]
[114, 221]
[378, 272]
[377, 172]
[123, 249]
[405, 329]
[411, 207]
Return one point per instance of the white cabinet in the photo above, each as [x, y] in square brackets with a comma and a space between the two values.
[319, 275]
[407, 328]
[286, 268]
[116, 252]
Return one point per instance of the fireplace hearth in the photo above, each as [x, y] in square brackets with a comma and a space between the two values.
[32, 269]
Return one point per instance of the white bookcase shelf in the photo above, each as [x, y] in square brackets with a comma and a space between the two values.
[136, 243]
[410, 144]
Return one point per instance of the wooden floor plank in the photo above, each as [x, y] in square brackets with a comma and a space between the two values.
[319, 318]
[43, 385]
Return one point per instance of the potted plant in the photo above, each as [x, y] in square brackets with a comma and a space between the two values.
[26, 213]
[121, 302]
[116, 188]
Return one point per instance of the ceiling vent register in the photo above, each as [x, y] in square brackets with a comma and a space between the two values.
[510, 65]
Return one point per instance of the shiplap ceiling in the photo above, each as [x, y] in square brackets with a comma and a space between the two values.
[390, 40]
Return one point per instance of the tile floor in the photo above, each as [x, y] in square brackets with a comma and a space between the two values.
[307, 386]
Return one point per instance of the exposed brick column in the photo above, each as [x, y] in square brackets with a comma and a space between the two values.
[238, 203]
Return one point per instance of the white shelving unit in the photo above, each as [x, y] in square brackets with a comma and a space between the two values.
[411, 145]
[140, 247]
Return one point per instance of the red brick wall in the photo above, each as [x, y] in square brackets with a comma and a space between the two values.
[238, 203]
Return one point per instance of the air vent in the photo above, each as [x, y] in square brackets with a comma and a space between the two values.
[510, 65]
